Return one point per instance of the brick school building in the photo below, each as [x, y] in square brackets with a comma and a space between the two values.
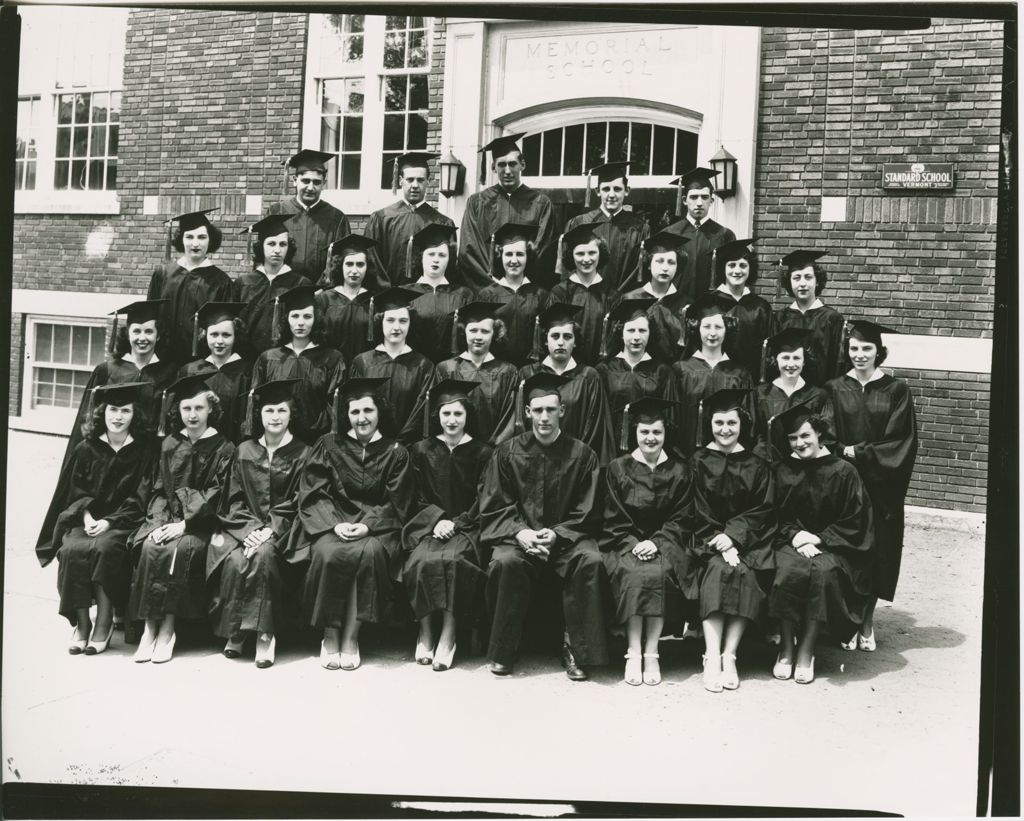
[883, 146]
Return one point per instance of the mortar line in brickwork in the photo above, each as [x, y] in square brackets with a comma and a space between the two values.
[853, 96]
[824, 130]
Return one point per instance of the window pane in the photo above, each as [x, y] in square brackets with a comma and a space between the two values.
[115, 106]
[79, 345]
[664, 144]
[112, 140]
[112, 175]
[417, 133]
[97, 343]
[531, 153]
[394, 93]
[353, 49]
[386, 169]
[98, 141]
[393, 22]
[417, 49]
[81, 143]
[350, 169]
[394, 131]
[60, 175]
[640, 149]
[354, 100]
[99, 107]
[596, 135]
[355, 22]
[353, 134]
[82, 108]
[64, 109]
[552, 160]
[30, 176]
[573, 162]
[61, 343]
[416, 23]
[62, 394]
[21, 149]
[78, 170]
[418, 92]
[96, 175]
[686, 151]
[44, 339]
[331, 96]
[63, 142]
[329, 133]
[618, 141]
[43, 388]
[394, 49]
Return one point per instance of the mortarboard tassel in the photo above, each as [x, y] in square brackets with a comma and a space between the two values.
[335, 415]
[455, 333]
[679, 198]
[519, 424]
[536, 352]
[559, 267]
[394, 176]
[586, 202]
[113, 335]
[369, 325]
[685, 327]
[700, 424]
[408, 260]
[483, 169]
[624, 433]
[636, 274]
[603, 350]
[768, 438]
[275, 322]
[250, 245]
[778, 279]
[195, 334]
[841, 363]
[764, 361]
[714, 273]
[248, 423]
[426, 416]
[165, 406]
[90, 402]
[167, 241]
[287, 178]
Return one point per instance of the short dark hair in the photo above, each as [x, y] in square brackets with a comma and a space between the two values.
[121, 343]
[883, 352]
[648, 256]
[498, 270]
[259, 256]
[500, 332]
[693, 334]
[698, 183]
[820, 278]
[772, 362]
[204, 349]
[819, 424]
[385, 417]
[317, 335]
[750, 256]
[95, 425]
[416, 263]
[615, 341]
[746, 425]
[569, 263]
[216, 237]
[294, 405]
[378, 323]
[495, 156]
[173, 419]
[435, 419]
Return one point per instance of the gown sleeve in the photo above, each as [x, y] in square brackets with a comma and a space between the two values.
[500, 517]
[317, 510]
[619, 528]
[396, 507]
[474, 244]
[748, 528]
[199, 506]
[580, 522]
[892, 456]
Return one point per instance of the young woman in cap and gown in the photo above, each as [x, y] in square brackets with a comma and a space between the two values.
[662, 258]
[804, 279]
[218, 339]
[513, 269]
[169, 550]
[735, 276]
[706, 367]
[346, 304]
[261, 544]
[355, 493]
[443, 575]
[587, 416]
[318, 367]
[584, 256]
[823, 552]
[876, 431]
[433, 260]
[492, 401]
[647, 529]
[630, 372]
[409, 373]
[188, 283]
[100, 499]
[260, 288]
[734, 522]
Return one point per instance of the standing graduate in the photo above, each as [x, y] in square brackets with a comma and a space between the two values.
[804, 279]
[509, 200]
[345, 307]
[824, 547]
[100, 499]
[734, 524]
[492, 401]
[585, 412]
[662, 259]
[170, 547]
[513, 266]
[647, 530]
[409, 373]
[393, 226]
[584, 257]
[260, 534]
[433, 258]
[260, 289]
[318, 367]
[442, 575]
[621, 230]
[735, 276]
[187, 283]
[227, 373]
[876, 430]
[355, 493]
[706, 367]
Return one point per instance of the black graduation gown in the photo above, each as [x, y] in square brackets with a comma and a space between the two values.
[189, 480]
[597, 300]
[344, 481]
[643, 504]
[431, 331]
[410, 375]
[519, 312]
[623, 385]
[186, 292]
[493, 401]
[313, 230]
[488, 210]
[733, 494]
[392, 227]
[258, 293]
[445, 575]
[231, 383]
[695, 276]
[696, 380]
[826, 497]
[880, 424]
[666, 318]
[346, 322]
[321, 369]
[623, 233]
[587, 416]
[825, 344]
[260, 493]
[770, 401]
[753, 326]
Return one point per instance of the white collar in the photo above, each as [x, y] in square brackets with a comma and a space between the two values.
[411, 205]
[671, 290]
[310, 346]
[777, 382]
[309, 208]
[382, 349]
[878, 374]
[693, 222]
[713, 445]
[622, 355]
[725, 290]
[183, 263]
[128, 358]
[377, 436]
[488, 357]
[574, 277]
[233, 358]
[424, 281]
[609, 216]
[338, 289]
[502, 190]
[550, 363]
[504, 281]
[465, 438]
[816, 304]
[824, 451]
[638, 456]
[699, 354]
[127, 440]
[210, 431]
[263, 270]
[284, 440]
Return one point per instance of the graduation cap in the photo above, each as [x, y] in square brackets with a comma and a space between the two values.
[580, 235]
[356, 388]
[621, 313]
[543, 383]
[436, 233]
[268, 226]
[411, 159]
[737, 249]
[186, 222]
[352, 243]
[801, 258]
[273, 392]
[645, 406]
[606, 172]
[143, 310]
[665, 241]
[189, 386]
[499, 147]
[514, 232]
[294, 299]
[698, 175]
[124, 393]
[472, 312]
[867, 330]
[395, 297]
[210, 313]
[788, 339]
[721, 401]
[792, 418]
[309, 160]
[709, 304]
[558, 313]
[445, 391]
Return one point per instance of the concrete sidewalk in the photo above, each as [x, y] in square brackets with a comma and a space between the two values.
[894, 731]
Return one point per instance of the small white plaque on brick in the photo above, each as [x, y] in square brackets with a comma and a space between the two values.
[150, 205]
[253, 204]
[833, 209]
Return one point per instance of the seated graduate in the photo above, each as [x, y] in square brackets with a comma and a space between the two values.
[735, 270]
[513, 266]
[170, 547]
[647, 530]
[218, 338]
[100, 499]
[355, 493]
[318, 367]
[259, 530]
[433, 268]
[345, 306]
[260, 289]
[824, 547]
[537, 517]
[442, 575]
[584, 255]
[586, 414]
[477, 329]
[734, 523]
[663, 256]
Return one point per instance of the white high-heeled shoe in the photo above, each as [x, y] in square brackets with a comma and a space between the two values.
[634, 673]
[266, 647]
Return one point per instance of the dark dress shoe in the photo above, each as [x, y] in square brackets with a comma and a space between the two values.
[499, 669]
[572, 669]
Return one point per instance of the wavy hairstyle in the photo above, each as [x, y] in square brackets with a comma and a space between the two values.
[216, 237]
[95, 424]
